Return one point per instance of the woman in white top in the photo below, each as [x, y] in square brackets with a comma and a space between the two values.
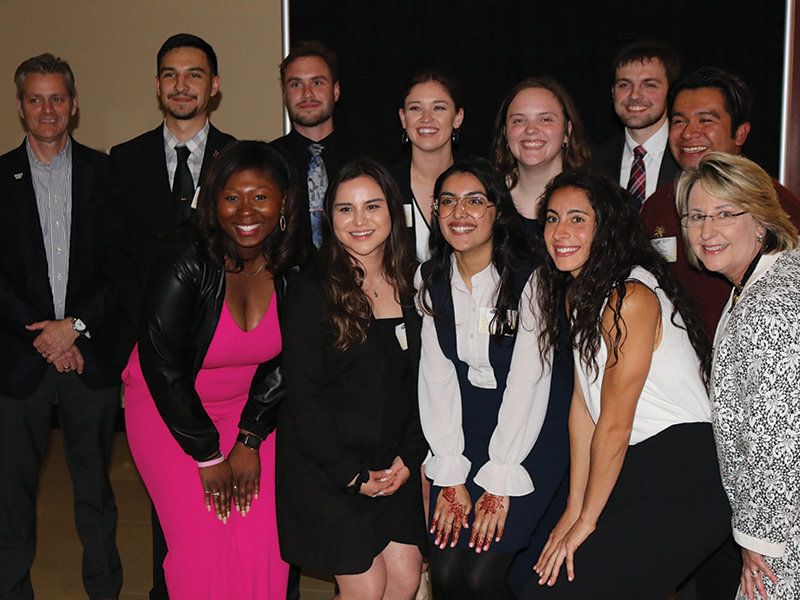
[735, 225]
[646, 504]
[496, 426]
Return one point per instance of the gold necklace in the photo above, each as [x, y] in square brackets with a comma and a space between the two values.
[258, 270]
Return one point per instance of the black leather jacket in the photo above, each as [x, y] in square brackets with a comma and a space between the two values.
[181, 307]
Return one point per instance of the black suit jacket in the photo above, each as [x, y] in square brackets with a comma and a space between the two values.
[25, 294]
[294, 148]
[139, 215]
[607, 159]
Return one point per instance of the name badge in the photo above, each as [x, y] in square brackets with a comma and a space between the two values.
[402, 337]
[409, 210]
[194, 200]
[668, 247]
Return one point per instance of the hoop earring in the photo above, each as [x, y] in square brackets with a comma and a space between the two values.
[282, 222]
[404, 137]
[456, 135]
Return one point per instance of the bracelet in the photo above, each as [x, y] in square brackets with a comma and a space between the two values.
[211, 462]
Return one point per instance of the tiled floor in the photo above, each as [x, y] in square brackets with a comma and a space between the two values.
[56, 571]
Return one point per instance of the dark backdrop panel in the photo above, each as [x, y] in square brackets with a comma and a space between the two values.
[490, 46]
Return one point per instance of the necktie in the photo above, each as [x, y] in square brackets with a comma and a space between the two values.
[183, 184]
[637, 184]
[317, 184]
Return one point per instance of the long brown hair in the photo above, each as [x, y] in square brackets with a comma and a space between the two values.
[348, 309]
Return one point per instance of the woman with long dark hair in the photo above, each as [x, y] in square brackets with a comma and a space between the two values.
[646, 502]
[484, 387]
[349, 443]
[203, 386]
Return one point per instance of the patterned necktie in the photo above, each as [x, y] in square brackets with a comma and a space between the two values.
[637, 184]
[317, 184]
[183, 184]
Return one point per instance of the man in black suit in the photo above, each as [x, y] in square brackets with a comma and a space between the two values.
[152, 186]
[310, 82]
[58, 330]
[643, 72]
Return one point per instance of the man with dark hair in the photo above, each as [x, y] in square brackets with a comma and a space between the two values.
[709, 111]
[309, 79]
[152, 186]
[638, 157]
[60, 327]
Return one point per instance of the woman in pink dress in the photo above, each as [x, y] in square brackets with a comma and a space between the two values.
[203, 386]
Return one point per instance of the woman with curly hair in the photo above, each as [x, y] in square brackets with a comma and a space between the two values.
[203, 386]
[493, 410]
[349, 443]
[646, 504]
[537, 134]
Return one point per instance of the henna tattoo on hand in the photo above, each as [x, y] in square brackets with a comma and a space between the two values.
[458, 509]
[491, 504]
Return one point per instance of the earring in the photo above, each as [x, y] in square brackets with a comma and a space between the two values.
[282, 222]
[760, 237]
[456, 135]
[564, 146]
[404, 137]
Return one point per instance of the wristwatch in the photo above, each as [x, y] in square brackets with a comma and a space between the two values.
[78, 325]
[251, 441]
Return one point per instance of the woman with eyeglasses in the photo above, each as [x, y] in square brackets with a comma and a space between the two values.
[484, 386]
[733, 224]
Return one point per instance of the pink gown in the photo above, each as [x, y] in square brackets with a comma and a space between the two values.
[206, 558]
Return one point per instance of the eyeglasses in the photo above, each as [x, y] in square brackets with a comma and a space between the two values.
[475, 205]
[723, 218]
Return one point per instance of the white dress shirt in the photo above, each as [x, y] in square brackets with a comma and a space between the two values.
[656, 146]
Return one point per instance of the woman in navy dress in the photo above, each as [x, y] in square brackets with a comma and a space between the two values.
[498, 436]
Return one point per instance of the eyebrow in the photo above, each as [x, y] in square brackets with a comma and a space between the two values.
[717, 207]
[197, 68]
[466, 194]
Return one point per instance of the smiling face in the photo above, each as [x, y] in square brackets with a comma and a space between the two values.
[248, 209]
[467, 235]
[640, 94]
[46, 108]
[309, 92]
[701, 124]
[569, 229]
[361, 219]
[728, 250]
[429, 116]
[536, 128]
[184, 83]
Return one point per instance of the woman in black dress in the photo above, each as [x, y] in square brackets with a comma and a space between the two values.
[349, 441]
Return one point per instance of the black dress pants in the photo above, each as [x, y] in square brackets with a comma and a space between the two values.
[87, 421]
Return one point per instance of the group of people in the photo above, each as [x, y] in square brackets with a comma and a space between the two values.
[500, 367]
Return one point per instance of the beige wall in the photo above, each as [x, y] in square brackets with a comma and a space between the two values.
[111, 46]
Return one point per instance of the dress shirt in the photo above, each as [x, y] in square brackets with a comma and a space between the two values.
[656, 145]
[525, 397]
[52, 185]
[196, 145]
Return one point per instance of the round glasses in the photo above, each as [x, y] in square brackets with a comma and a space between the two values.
[723, 218]
[475, 205]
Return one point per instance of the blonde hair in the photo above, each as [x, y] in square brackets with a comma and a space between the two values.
[743, 183]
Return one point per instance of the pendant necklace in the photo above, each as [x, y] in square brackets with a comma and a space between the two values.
[375, 289]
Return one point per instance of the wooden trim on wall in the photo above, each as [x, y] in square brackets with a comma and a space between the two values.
[792, 166]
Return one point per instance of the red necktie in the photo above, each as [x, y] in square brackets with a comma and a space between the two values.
[637, 185]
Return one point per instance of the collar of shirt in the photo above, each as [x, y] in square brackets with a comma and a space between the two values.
[196, 145]
[62, 160]
[655, 145]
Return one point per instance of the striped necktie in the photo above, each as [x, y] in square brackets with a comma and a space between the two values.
[637, 184]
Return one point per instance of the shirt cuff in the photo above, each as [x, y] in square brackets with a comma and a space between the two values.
[504, 480]
[447, 470]
[771, 549]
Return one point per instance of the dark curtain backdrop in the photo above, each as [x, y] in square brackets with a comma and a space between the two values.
[490, 46]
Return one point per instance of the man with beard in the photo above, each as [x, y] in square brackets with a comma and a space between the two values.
[309, 78]
[638, 157]
[151, 188]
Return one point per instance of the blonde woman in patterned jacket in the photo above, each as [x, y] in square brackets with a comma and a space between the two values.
[735, 226]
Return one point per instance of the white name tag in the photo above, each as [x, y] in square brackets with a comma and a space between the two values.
[194, 200]
[409, 210]
[668, 247]
[402, 337]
